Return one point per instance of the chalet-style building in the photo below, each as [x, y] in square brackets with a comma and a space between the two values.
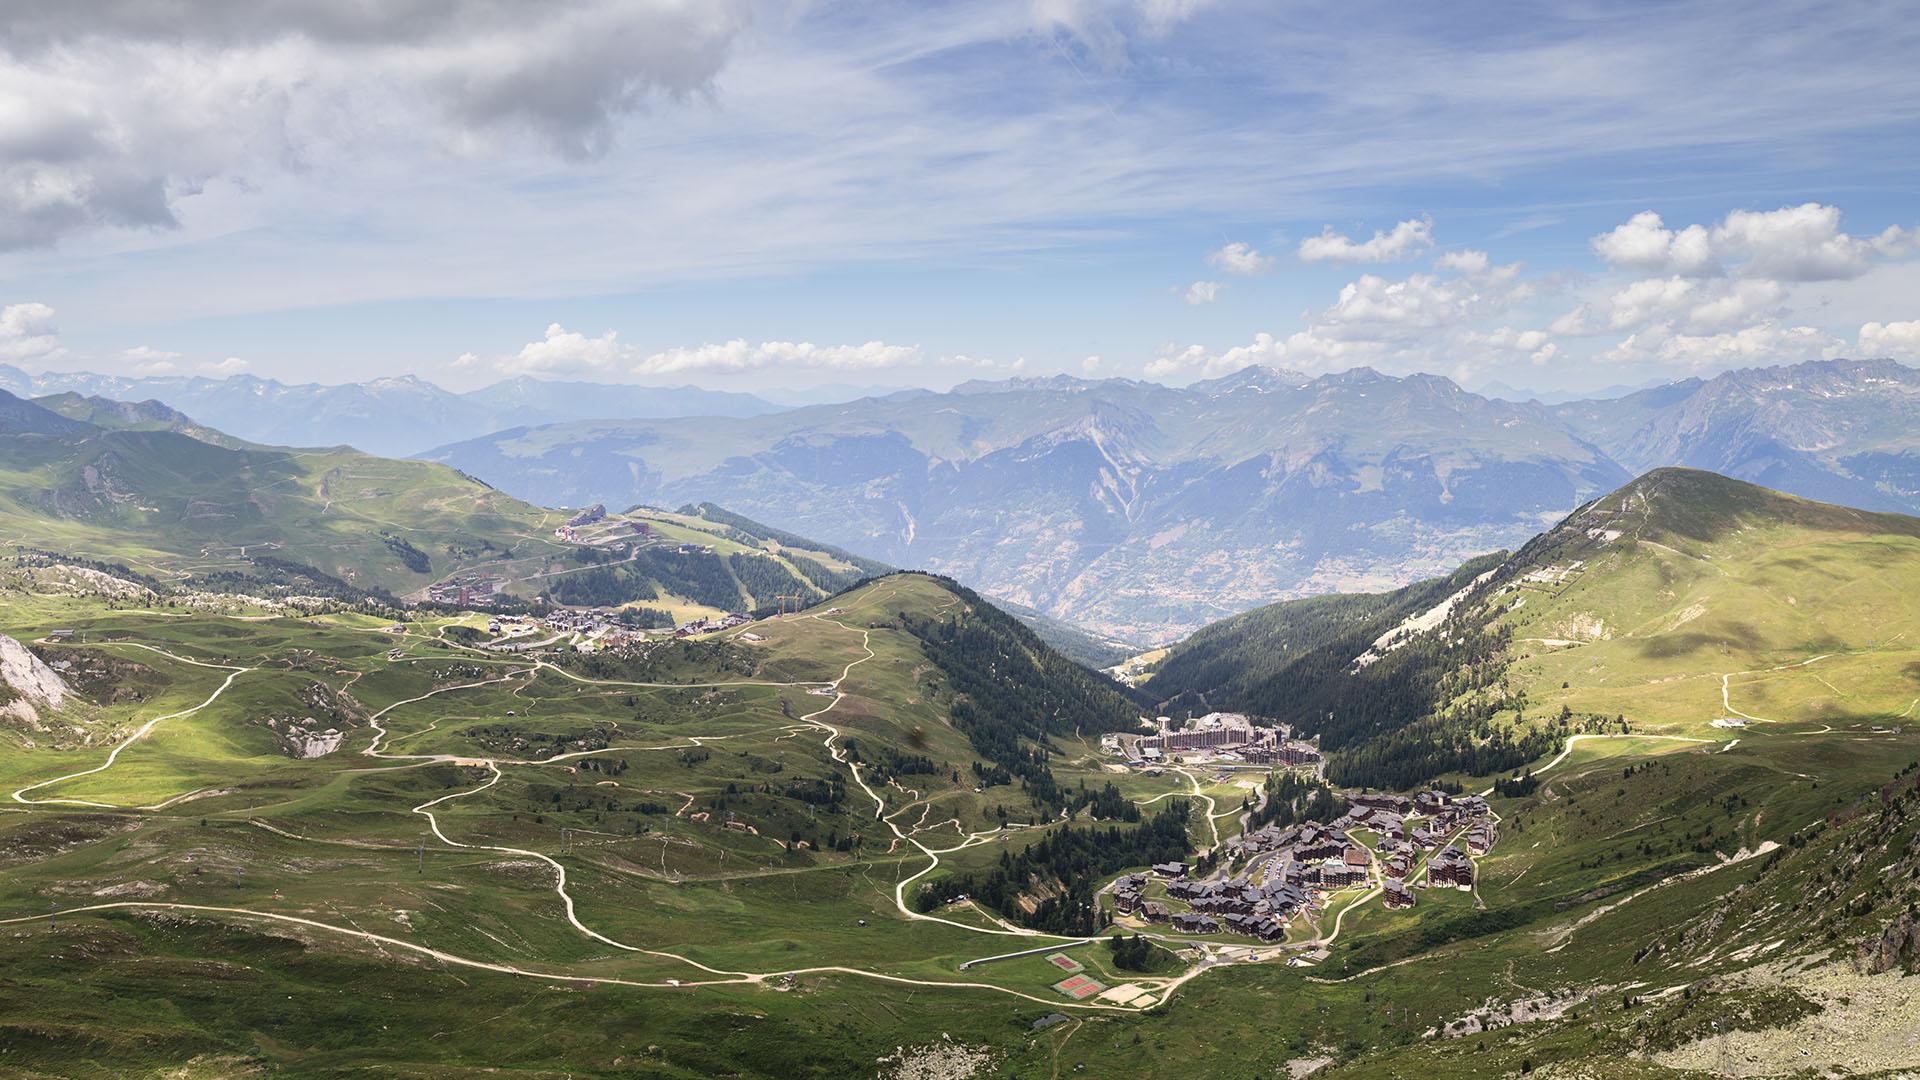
[1451, 867]
[1188, 922]
[1481, 836]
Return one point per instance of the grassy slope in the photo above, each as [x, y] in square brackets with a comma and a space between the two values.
[641, 869]
[1800, 606]
[148, 488]
[1563, 903]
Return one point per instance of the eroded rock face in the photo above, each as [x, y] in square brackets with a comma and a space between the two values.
[31, 687]
[1897, 947]
[322, 732]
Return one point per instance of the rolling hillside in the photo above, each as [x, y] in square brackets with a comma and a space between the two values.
[146, 487]
[891, 810]
[1683, 603]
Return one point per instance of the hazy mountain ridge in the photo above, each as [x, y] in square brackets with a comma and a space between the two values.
[1841, 430]
[393, 416]
[1133, 508]
[1144, 511]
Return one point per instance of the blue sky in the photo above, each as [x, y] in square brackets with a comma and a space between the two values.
[751, 194]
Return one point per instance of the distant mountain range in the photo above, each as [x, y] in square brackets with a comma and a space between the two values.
[1135, 510]
[396, 416]
[1132, 508]
[1142, 511]
[1845, 431]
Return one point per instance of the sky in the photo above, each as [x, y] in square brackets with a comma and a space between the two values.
[758, 194]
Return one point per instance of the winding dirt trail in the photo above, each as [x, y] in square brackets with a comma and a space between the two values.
[839, 755]
[20, 794]
[561, 890]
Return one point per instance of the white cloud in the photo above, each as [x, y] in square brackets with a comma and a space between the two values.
[569, 352]
[1793, 243]
[1645, 243]
[232, 365]
[1899, 340]
[1646, 300]
[1803, 243]
[1763, 343]
[1195, 361]
[1734, 303]
[27, 332]
[1404, 240]
[1091, 365]
[566, 352]
[1418, 302]
[1240, 258]
[108, 118]
[1202, 292]
[738, 355]
[1467, 261]
[146, 360]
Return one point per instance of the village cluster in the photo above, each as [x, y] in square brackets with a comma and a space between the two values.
[1287, 874]
[595, 630]
[1219, 738]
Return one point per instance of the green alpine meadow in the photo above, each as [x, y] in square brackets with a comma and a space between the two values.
[961, 540]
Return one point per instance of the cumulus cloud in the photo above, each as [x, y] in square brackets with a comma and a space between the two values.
[1769, 342]
[1240, 258]
[1536, 347]
[27, 332]
[1404, 239]
[1645, 243]
[1197, 361]
[1899, 340]
[232, 365]
[1803, 243]
[565, 352]
[109, 115]
[1793, 243]
[1419, 302]
[1420, 322]
[1202, 292]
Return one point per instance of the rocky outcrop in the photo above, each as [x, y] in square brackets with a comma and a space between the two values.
[334, 714]
[29, 687]
[1897, 948]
